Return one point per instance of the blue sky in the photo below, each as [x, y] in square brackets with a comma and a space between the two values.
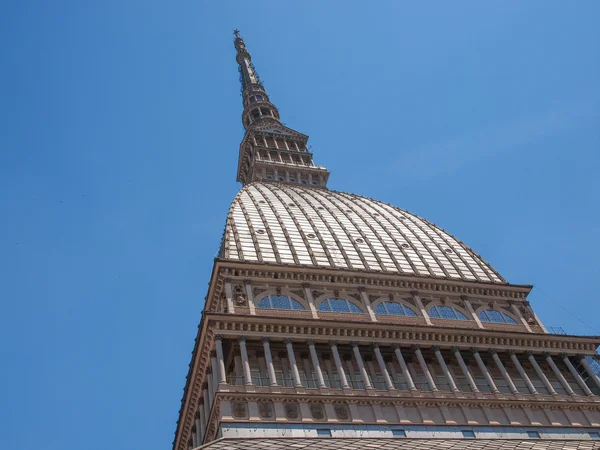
[119, 131]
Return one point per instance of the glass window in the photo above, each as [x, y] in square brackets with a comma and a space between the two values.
[490, 315]
[339, 305]
[394, 309]
[279, 302]
[446, 312]
[469, 434]
[533, 434]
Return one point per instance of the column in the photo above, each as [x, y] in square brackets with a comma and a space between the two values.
[589, 370]
[198, 429]
[338, 365]
[292, 358]
[576, 375]
[386, 376]
[329, 370]
[517, 312]
[207, 401]
[269, 361]
[316, 364]
[361, 366]
[194, 438]
[367, 302]
[559, 375]
[419, 303]
[310, 300]
[221, 377]
[212, 375]
[424, 367]
[465, 370]
[229, 296]
[523, 374]
[442, 363]
[404, 368]
[245, 362]
[486, 374]
[250, 296]
[540, 373]
[503, 371]
[202, 422]
[472, 311]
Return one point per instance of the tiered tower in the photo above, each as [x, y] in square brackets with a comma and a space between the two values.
[337, 321]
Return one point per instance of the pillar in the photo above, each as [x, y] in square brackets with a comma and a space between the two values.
[465, 370]
[469, 308]
[404, 368]
[540, 373]
[505, 374]
[576, 375]
[424, 367]
[221, 377]
[202, 422]
[269, 361]
[338, 365]
[386, 376]
[589, 370]
[361, 366]
[198, 429]
[367, 302]
[229, 296]
[290, 351]
[310, 300]
[523, 374]
[486, 374]
[316, 364]
[250, 296]
[442, 363]
[559, 375]
[419, 303]
[207, 402]
[517, 312]
[245, 362]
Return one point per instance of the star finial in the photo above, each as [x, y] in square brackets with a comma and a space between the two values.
[236, 32]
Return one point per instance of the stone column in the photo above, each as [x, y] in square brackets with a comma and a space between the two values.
[576, 375]
[589, 370]
[316, 364]
[386, 376]
[202, 422]
[207, 401]
[442, 363]
[338, 365]
[559, 375]
[404, 368]
[424, 368]
[469, 308]
[229, 296]
[221, 376]
[245, 362]
[250, 296]
[194, 438]
[310, 300]
[523, 374]
[361, 367]
[517, 312]
[269, 361]
[505, 374]
[290, 351]
[213, 373]
[198, 429]
[419, 303]
[367, 302]
[465, 370]
[486, 374]
[540, 373]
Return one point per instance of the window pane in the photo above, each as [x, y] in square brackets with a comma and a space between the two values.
[324, 306]
[433, 312]
[296, 305]
[339, 305]
[483, 316]
[460, 316]
[509, 319]
[280, 301]
[446, 312]
[380, 309]
[353, 308]
[409, 312]
[264, 303]
[394, 308]
[495, 316]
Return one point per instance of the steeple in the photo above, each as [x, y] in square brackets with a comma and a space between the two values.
[270, 151]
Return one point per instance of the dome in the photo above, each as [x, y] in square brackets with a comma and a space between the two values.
[296, 225]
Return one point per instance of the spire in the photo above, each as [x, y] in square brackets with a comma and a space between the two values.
[270, 151]
[257, 107]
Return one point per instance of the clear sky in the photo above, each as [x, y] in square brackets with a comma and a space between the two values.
[119, 134]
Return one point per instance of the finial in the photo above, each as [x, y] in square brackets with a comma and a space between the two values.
[236, 32]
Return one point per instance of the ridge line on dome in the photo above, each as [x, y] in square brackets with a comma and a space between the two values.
[251, 229]
[266, 225]
[299, 228]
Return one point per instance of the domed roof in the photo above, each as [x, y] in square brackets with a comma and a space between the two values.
[297, 225]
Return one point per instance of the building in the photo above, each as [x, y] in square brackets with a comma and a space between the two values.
[336, 321]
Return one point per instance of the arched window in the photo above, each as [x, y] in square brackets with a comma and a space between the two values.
[394, 309]
[446, 312]
[489, 315]
[339, 305]
[279, 302]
